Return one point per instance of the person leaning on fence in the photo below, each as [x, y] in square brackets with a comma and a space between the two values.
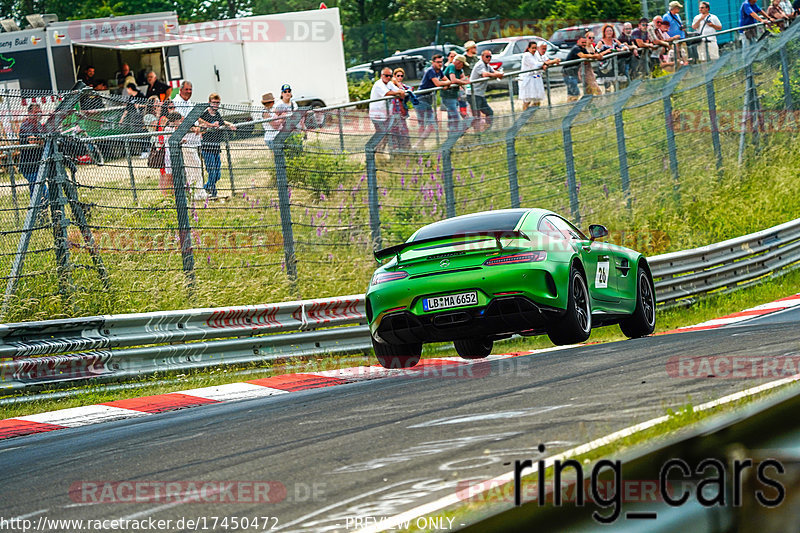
[270, 131]
[749, 14]
[379, 111]
[213, 126]
[31, 131]
[571, 71]
[183, 100]
[531, 88]
[775, 12]
[788, 8]
[399, 129]
[431, 78]
[480, 106]
[455, 74]
[607, 45]
[470, 60]
[708, 25]
[586, 72]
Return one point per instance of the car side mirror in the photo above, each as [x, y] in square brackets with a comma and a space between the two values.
[597, 231]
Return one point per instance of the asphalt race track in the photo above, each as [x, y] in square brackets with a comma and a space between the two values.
[375, 448]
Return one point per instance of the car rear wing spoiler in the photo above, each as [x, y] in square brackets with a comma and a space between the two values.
[397, 249]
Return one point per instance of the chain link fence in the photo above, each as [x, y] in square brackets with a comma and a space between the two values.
[117, 205]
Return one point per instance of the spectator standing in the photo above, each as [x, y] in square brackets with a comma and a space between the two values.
[431, 78]
[572, 72]
[482, 69]
[399, 128]
[786, 6]
[31, 131]
[775, 12]
[453, 53]
[628, 63]
[270, 132]
[183, 99]
[171, 119]
[531, 88]
[379, 111]
[470, 60]
[677, 29]
[641, 37]
[213, 123]
[587, 70]
[608, 44]
[132, 117]
[156, 87]
[708, 25]
[455, 74]
[749, 14]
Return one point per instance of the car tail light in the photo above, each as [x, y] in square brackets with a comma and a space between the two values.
[497, 65]
[383, 277]
[524, 257]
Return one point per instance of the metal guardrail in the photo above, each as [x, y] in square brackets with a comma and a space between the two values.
[36, 354]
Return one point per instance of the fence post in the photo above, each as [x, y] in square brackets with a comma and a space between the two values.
[130, 169]
[52, 125]
[511, 96]
[712, 105]
[750, 97]
[372, 182]
[282, 184]
[569, 157]
[447, 166]
[616, 73]
[230, 162]
[13, 186]
[55, 181]
[179, 186]
[787, 88]
[547, 85]
[511, 153]
[622, 150]
[666, 96]
[341, 132]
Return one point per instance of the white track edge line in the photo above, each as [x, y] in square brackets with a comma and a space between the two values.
[452, 499]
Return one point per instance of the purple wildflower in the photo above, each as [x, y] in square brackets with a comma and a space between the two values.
[319, 232]
[322, 196]
[605, 190]
[403, 182]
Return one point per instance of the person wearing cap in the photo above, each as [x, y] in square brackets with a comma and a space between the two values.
[268, 101]
[470, 60]
[482, 69]
[676, 28]
[454, 73]
[707, 24]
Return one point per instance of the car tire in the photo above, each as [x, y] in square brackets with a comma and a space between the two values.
[397, 355]
[576, 324]
[474, 348]
[643, 320]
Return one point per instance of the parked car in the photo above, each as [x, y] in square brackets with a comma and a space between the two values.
[566, 38]
[360, 73]
[428, 51]
[507, 55]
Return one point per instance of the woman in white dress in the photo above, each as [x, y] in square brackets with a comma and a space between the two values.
[531, 86]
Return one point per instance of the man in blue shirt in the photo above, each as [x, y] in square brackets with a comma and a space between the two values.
[433, 77]
[750, 14]
[674, 18]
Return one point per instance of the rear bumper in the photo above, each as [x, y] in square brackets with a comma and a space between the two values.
[504, 315]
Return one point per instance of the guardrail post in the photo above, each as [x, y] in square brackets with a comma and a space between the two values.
[130, 169]
[511, 153]
[447, 166]
[569, 157]
[284, 205]
[230, 162]
[372, 182]
[712, 106]
[787, 88]
[547, 86]
[622, 150]
[672, 150]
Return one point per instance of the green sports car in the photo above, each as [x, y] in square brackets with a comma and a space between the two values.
[477, 278]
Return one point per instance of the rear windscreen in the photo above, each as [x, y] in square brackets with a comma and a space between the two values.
[499, 221]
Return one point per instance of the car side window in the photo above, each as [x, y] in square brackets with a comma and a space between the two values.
[569, 231]
[520, 46]
[547, 227]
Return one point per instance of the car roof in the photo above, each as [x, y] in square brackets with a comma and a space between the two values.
[511, 39]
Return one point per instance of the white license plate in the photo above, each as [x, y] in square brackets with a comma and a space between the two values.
[452, 300]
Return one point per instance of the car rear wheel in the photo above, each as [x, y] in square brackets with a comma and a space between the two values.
[474, 348]
[643, 320]
[576, 325]
[397, 355]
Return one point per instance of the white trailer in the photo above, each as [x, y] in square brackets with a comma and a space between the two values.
[242, 59]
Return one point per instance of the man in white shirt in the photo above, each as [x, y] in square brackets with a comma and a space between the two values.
[190, 143]
[379, 111]
[707, 24]
[182, 100]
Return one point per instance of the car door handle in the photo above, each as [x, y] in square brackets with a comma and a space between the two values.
[587, 248]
